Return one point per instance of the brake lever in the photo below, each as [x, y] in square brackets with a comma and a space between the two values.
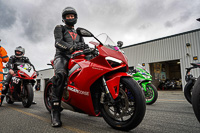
[95, 51]
[77, 54]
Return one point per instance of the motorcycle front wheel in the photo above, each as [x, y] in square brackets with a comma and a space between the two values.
[48, 95]
[196, 99]
[188, 91]
[151, 94]
[129, 108]
[8, 100]
[27, 98]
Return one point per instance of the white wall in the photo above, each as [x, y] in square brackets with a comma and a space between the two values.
[44, 74]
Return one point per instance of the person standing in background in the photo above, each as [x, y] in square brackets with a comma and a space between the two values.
[3, 58]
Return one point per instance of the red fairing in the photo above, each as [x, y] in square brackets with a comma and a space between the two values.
[23, 75]
[83, 73]
[113, 83]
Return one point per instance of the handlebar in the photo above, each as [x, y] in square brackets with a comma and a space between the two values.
[190, 68]
[95, 52]
[76, 54]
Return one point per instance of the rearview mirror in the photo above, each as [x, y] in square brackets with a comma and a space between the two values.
[119, 44]
[83, 32]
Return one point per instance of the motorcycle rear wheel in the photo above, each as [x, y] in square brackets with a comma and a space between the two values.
[27, 99]
[151, 94]
[196, 99]
[129, 109]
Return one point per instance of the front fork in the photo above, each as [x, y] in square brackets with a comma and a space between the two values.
[22, 87]
[106, 93]
[144, 86]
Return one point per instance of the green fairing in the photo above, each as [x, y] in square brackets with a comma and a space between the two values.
[143, 77]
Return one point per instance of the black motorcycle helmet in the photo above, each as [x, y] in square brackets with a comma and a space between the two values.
[69, 10]
[19, 49]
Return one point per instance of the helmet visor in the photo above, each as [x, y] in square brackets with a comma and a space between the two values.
[18, 53]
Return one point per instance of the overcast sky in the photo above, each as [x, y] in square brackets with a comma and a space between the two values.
[30, 23]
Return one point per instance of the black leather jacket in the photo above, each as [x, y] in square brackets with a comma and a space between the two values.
[65, 38]
[13, 59]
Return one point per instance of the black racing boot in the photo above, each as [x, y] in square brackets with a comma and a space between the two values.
[55, 115]
[6, 83]
[33, 102]
[2, 97]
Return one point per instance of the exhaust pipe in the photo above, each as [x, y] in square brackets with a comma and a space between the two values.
[66, 106]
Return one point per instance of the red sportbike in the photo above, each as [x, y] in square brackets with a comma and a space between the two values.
[21, 86]
[98, 84]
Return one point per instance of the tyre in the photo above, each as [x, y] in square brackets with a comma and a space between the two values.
[188, 91]
[151, 94]
[196, 99]
[48, 95]
[27, 98]
[8, 100]
[129, 109]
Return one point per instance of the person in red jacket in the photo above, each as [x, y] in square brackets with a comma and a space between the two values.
[3, 58]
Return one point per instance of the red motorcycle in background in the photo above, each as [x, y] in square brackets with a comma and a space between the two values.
[98, 83]
[21, 86]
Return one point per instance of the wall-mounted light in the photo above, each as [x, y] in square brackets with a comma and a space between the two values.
[143, 64]
[188, 44]
[195, 58]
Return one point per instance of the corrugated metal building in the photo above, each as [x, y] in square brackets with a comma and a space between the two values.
[170, 54]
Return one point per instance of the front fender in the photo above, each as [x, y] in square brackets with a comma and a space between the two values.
[113, 81]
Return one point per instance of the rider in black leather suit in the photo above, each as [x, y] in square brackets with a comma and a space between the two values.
[66, 42]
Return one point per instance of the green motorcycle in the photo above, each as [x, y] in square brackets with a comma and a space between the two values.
[143, 77]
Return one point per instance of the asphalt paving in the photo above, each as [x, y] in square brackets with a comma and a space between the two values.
[170, 114]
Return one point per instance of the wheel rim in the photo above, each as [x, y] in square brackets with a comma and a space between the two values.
[149, 94]
[191, 91]
[124, 107]
[8, 99]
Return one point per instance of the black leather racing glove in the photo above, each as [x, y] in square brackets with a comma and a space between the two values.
[86, 46]
[76, 46]
[87, 51]
[80, 46]
[72, 49]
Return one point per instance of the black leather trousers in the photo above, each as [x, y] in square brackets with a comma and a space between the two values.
[61, 71]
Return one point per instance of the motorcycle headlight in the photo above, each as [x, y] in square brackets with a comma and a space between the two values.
[113, 61]
[147, 77]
